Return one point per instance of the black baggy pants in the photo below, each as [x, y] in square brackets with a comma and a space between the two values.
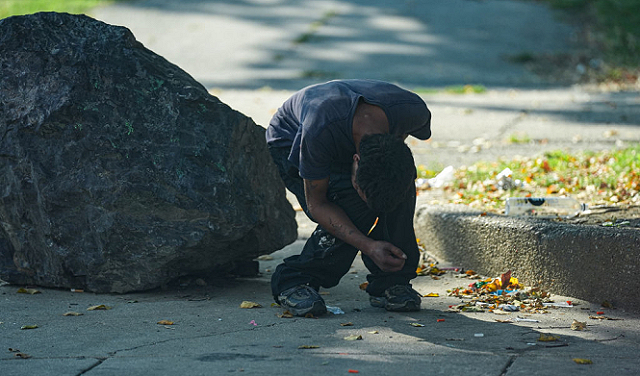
[324, 259]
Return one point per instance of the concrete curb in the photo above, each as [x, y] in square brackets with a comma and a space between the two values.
[584, 261]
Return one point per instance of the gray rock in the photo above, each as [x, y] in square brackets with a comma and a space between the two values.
[118, 171]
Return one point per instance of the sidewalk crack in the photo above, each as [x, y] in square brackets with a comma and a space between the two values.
[97, 363]
[508, 365]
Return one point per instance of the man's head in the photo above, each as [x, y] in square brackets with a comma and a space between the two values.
[384, 171]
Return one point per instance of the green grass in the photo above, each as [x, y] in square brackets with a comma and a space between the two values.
[596, 178]
[617, 20]
[20, 7]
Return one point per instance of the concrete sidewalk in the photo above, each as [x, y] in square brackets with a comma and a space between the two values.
[212, 335]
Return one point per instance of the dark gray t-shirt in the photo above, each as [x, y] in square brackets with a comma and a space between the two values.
[316, 122]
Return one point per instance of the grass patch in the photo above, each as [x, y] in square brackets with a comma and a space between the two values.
[314, 27]
[20, 7]
[596, 178]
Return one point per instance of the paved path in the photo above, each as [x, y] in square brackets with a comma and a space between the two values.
[236, 48]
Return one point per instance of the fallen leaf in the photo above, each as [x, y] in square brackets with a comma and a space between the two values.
[346, 324]
[13, 350]
[363, 286]
[25, 327]
[504, 279]
[165, 322]
[247, 304]
[547, 338]
[71, 313]
[577, 325]
[417, 325]
[308, 347]
[22, 355]
[432, 295]
[22, 290]
[582, 361]
[286, 315]
[99, 307]
[373, 332]
[470, 272]
[309, 316]
[354, 337]
[504, 321]
[265, 258]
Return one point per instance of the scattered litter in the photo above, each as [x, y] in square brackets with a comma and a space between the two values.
[265, 258]
[71, 313]
[559, 304]
[373, 332]
[27, 327]
[600, 313]
[165, 322]
[23, 290]
[444, 177]
[353, 371]
[440, 320]
[354, 337]
[248, 305]
[577, 325]
[509, 307]
[346, 324]
[522, 319]
[582, 361]
[253, 322]
[431, 295]
[602, 317]
[504, 321]
[454, 339]
[308, 347]
[479, 335]
[77, 290]
[335, 310]
[99, 307]
[417, 325]
[22, 355]
[286, 315]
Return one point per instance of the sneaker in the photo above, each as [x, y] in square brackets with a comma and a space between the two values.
[399, 298]
[302, 300]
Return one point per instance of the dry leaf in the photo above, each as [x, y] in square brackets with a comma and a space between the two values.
[577, 325]
[363, 286]
[100, 307]
[165, 322]
[582, 361]
[71, 313]
[417, 325]
[308, 347]
[373, 332]
[22, 355]
[354, 337]
[547, 338]
[286, 315]
[265, 258]
[25, 327]
[346, 324]
[248, 304]
[432, 295]
[22, 290]
[504, 321]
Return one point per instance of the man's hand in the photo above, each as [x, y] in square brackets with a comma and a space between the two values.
[388, 257]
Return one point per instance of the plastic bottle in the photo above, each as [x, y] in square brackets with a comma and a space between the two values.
[565, 207]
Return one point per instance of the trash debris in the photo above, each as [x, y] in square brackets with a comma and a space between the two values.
[479, 335]
[335, 310]
[308, 347]
[265, 258]
[439, 320]
[504, 321]
[559, 304]
[22, 355]
[253, 322]
[23, 290]
[522, 319]
[565, 207]
[441, 179]
[353, 371]
[417, 325]
[99, 307]
[577, 325]
[346, 324]
[509, 307]
[285, 315]
[248, 305]
[77, 290]
[373, 332]
[71, 313]
[354, 337]
[27, 327]
[431, 295]
[165, 322]
[582, 361]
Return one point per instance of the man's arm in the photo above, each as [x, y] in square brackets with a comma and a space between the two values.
[333, 219]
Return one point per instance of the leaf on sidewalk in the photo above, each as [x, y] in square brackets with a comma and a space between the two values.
[353, 337]
[247, 305]
[23, 290]
[99, 307]
[22, 355]
[582, 361]
[577, 325]
[165, 322]
[286, 315]
[346, 324]
[27, 327]
[417, 325]
[547, 338]
[71, 313]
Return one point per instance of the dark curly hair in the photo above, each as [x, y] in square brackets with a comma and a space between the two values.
[386, 171]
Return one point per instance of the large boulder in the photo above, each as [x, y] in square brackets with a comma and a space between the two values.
[118, 171]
